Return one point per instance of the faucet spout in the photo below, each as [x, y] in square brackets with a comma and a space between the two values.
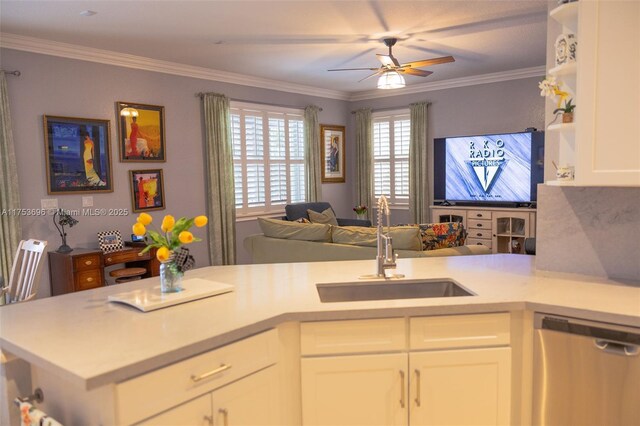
[385, 257]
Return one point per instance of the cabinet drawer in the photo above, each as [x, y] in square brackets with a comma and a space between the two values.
[154, 392]
[479, 242]
[125, 256]
[459, 331]
[479, 214]
[87, 261]
[478, 224]
[355, 336]
[479, 233]
[89, 279]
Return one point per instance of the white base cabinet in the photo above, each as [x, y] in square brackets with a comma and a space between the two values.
[451, 370]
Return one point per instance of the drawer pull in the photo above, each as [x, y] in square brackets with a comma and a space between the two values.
[88, 262]
[402, 392]
[89, 279]
[108, 259]
[479, 225]
[223, 367]
[479, 234]
[209, 420]
[417, 387]
[479, 215]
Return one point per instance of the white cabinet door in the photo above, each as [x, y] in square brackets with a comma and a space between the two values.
[196, 412]
[509, 231]
[355, 390]
[252, 401]
[460, 387]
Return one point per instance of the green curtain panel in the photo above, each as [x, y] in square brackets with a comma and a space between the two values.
[364, 158]
[220, 187]
[312, 154]
[418, 164]
[10, 229]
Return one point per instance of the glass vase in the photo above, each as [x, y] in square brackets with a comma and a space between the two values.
[361, 216]
[170, 278]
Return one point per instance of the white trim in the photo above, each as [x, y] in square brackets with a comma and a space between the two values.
[83, 53]
[248, 106]
[65, 50]
[375, 115]
[496, 77]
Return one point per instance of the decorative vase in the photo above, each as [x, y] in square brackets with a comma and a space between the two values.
[361, 216]
[170, 278]
[567, 117]
[566, 47]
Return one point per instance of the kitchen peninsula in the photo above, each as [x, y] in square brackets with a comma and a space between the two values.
[93, 359]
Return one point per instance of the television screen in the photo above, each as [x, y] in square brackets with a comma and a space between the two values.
[500, 168]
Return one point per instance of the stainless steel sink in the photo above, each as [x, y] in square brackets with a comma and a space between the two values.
[390, 289]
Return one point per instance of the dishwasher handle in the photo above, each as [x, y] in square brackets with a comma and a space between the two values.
[616, 348]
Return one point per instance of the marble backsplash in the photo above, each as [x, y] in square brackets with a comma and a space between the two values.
[589, 230]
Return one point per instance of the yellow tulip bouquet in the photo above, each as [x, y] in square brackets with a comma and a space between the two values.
[175, 258]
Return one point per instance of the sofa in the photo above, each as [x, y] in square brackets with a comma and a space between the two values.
[285, 242]
[298, 211]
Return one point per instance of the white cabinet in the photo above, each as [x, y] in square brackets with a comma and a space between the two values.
[192, 413]
[456, 369]
[603, 144]
[355, 390]
[503, 230]
[460, 387]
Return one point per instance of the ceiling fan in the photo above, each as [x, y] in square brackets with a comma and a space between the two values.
[391, 70]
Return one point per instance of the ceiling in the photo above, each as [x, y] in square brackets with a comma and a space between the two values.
[296, 41]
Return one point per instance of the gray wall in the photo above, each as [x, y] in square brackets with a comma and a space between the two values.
[63, 87]
[591, 231]
[507, 106]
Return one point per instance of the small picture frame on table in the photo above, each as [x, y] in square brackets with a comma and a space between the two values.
[110, 241]
[140, 132]
[332, 153]
[147, 190]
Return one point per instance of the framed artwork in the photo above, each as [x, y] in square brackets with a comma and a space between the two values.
[110, 241]
[140, 132]
[332, 154]
[78, 155]
[147, 190]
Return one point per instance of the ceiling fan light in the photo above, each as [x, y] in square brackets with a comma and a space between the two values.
[391, 80]
[129, 112]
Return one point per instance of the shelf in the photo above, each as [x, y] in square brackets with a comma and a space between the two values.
[569, 69]
[562, 127]
[567, 15]
[561, 183]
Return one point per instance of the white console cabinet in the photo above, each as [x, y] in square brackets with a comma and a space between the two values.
[503, 230]
[453, 369]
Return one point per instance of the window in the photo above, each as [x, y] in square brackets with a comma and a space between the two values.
[391, 157]
[268, 158]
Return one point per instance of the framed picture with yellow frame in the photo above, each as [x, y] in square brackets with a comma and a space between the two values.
[147, 190]
[140, 132]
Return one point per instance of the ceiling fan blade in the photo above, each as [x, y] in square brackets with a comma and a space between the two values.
[413, 71]
[388, 60]
[355, 69]
[371, 75]
[428, 62]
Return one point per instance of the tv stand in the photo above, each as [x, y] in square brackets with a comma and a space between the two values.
[501, 229]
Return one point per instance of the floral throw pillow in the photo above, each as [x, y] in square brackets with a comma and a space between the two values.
[442, 235]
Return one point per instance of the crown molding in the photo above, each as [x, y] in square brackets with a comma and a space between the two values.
[452, 83]
[71, 51]
[82, 53]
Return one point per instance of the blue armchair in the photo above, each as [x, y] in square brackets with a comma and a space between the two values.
[298, 210]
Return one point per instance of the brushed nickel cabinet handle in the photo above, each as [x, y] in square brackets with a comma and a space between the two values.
[402, 392]
[209, 420]
[417, 387]
[223, 367]
[225, 416]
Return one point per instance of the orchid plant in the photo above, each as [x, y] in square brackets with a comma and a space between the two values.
[549, 87]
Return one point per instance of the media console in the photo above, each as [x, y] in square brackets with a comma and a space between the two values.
[503, 230]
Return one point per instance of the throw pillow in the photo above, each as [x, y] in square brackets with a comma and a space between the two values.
[442, 235]
[404, 237]
[302, 220]
[326, 216]
[276, 228]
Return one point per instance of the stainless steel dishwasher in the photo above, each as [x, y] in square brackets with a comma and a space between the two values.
[585, 372]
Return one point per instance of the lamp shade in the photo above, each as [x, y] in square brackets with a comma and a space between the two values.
[391, 80]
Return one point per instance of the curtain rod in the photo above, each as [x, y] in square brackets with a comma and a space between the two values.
[201, 94]
[390, 108]
[16, 72]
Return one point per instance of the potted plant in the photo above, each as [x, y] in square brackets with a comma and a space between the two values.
[549, 87]
[361, 211]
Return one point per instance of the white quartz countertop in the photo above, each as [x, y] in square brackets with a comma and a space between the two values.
[91, 342]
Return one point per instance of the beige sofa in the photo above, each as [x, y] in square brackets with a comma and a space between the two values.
[283, 242]
[278, 250]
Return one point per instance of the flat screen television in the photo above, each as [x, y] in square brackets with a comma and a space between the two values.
[498, 169]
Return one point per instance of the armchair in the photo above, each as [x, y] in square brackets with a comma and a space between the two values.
[298, 210]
